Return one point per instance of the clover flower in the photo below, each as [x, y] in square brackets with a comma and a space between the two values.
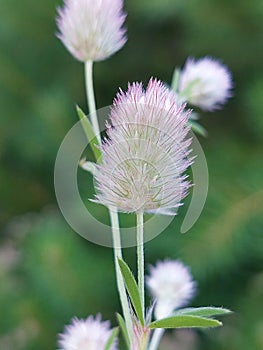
[91, 30]
[88, 334]
[205, 83]
[171, 285]
[146, 153]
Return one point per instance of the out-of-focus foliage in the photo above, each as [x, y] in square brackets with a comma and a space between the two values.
[50, 274]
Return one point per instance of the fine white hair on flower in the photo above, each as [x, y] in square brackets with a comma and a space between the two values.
[205, 83]
[87, 334]
[171, 285]
[146, 153]
[92, 30]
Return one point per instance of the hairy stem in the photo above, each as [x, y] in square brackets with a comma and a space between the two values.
[112, 211]
[140, 257]
[91, 98]
[156, 338]
[118, 255]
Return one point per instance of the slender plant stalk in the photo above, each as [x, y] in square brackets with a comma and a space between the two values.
[118, 255]
[91, 98]
[140, 257]
[156, 338]
[112, 211]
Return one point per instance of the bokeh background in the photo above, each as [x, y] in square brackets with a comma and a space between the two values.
[50, 274]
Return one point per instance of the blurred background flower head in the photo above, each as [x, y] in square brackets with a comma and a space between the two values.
[171, 286]
[92, 30]
[88, 334]
[205, 83]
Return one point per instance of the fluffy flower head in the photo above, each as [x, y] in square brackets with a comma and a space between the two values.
[146, 152]
[91, 30]
[171, 285]
[205, 83]
[89, 334]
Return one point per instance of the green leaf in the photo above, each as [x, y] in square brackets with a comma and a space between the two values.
[197, 128]
[194, 116]
[132, 289]
[88, 129]
[185, 321]
[111, 339]
[175, 79]
[124, 330]
[203, 311]
[88, 166]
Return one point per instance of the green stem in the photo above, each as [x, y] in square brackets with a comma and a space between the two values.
[140, 256]
[91, 98]
[156, 338]
[118, 255]
[112, 211]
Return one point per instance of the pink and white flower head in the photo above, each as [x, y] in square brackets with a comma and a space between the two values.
[146, 153]
[205, 83]
[92, 29]
[88, 334]
[171, 285]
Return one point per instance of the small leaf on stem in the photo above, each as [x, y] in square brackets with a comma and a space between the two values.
[203, 311]
[175, 79]
[88, 166]
[124, 330]
[185, 321]
[111, 339]
[87, 127]
[132, 289]
[198, 128]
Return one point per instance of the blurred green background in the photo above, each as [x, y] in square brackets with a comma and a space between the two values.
[50, 274]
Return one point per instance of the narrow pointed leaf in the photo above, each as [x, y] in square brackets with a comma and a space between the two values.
[197, 128]
[185, 321]
[111, 339]
[132, 290]
[175, 79]
[88, 166]
[87, 127]
[203, 311]
[124, 330]
[194, 116]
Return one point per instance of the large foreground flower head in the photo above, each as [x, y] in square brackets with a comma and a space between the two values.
[91, 30]
[146, 153]
[171, 285]
[88, 334]
[205, 83]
